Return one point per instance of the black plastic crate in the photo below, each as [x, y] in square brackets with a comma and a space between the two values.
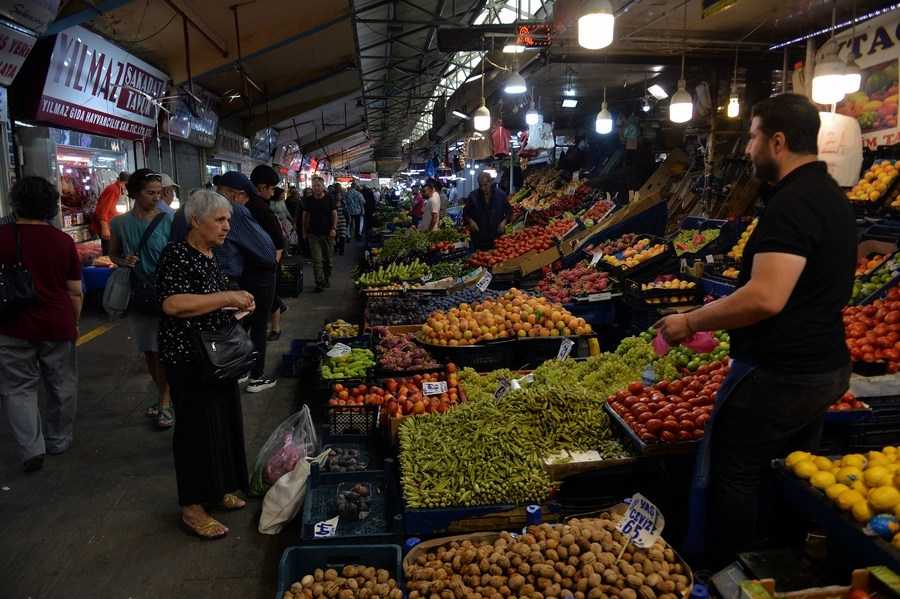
[354, 420]
[369, 449]
[531, 352]
[384, 523]
[492, 355]
[290, 277]
[297, 562]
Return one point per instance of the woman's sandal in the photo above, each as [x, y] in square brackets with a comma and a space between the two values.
[233, 502]
[210, 528]
[165, 418]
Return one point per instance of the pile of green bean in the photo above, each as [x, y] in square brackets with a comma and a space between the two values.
[490, 450]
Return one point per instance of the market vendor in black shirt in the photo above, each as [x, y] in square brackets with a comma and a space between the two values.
[790, 359]
[485, 213]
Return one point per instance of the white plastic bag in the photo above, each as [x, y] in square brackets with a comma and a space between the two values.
[285, 498]
[290, 442]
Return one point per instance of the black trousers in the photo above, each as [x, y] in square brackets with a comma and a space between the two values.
[766, 417]
[262, 286]
[356, 222]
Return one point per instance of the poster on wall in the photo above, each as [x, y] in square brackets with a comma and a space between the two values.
[97, 87]
[876, 48]
[14, 49]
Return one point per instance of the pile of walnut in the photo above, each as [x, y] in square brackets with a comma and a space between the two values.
[353, 582]
[575, 561]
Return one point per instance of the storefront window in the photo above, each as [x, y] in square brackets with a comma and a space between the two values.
[83, 174]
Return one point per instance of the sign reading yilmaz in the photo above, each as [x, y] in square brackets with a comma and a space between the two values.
[96, 87]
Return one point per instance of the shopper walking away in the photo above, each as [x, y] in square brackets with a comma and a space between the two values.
[169, 194]
[370, 206]
[137, 241]
[486, 213]
[356, 206]
[257, 276]
[292, 201]
[38, 342]
[431, 212]
[790, 358]
[208, 442]
[320, 229]
[343, 218]
[106, 210]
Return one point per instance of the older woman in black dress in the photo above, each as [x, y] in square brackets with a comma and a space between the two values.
[210, 462]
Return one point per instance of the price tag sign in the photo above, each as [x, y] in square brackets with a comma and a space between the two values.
[643, 523]
[484, 282]
[338, 350]
[710, 259]
[565, 348]
[426, 277]
[326, 528]
[595, 259]
[437, 388]
[684, 265]
[599, 297]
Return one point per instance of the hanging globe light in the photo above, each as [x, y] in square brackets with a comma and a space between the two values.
[515, 84]
[482, 118]
[532, 117]
[681, 107]
[828, 83]
[604, 121]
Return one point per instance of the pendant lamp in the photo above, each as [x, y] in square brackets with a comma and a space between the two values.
[481, 119]
[604, 122]
[681, 106]
[828, 81]
[515, 84]
[597, 26]
[734, 101]
[532, 117]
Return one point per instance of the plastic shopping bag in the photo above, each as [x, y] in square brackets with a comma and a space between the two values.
[699, 343]
[292, 441]
[285, 498]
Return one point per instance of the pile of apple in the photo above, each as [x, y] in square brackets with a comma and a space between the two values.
[867, 264]
[644, 249]
[873, 331]
[402, 397]
[613, 246]
[574, 282]
[671, 411]
[874, 182]
[521, 242]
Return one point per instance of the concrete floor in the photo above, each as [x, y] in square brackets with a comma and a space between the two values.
[101, 520]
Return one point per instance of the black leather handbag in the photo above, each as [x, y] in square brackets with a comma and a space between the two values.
[227, 353]
[16, 284]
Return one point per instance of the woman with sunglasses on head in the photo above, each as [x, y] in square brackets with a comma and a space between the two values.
[137, 239]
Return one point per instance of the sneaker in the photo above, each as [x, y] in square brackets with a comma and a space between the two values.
[243, 379]
[257, 385]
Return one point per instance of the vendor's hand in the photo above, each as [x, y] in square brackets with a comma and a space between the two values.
[242, 300]
[674, 328]
[130, 261]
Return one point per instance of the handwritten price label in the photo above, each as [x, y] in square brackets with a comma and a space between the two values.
[338, 350]
[485, 282]
[434, 388]
[595, 259]
[643, 523]
[503, 389]
[326, 528]
[565, 348]
[599, 297]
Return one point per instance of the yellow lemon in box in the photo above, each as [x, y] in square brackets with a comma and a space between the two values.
[822, 479]
[823, 464]
[796, 456]
[861, 511]
[854, 459]
[848, 499]
[889, 450]
[836, 489]
[884, 499]
[861, 487]
[875, 476]
[876, 456]
[848, 474]
[805, 469]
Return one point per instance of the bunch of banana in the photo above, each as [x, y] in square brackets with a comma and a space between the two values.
[392, 273]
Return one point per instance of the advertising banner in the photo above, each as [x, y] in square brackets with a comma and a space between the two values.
[96, 87]
[14, 49]
[876, 47]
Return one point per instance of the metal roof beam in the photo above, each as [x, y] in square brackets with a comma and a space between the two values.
[193, 17]
[83, 16]
[394, 38]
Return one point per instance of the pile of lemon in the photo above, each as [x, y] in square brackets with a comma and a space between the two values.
[874, 182]
[864, 485]
[737, 252]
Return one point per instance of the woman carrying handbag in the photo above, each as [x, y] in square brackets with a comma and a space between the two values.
[204, 353]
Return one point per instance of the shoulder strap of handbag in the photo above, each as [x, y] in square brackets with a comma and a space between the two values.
[148, 232]
[18, 243]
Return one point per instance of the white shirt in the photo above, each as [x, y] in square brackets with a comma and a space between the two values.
[432, 206]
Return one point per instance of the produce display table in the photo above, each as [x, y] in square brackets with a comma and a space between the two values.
[845, 535]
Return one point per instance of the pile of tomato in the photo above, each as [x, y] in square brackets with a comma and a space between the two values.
[671, 411]
[402, 397]
[873, 331]
[521, 242]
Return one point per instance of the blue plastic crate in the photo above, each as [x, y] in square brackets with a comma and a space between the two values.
[297, 562]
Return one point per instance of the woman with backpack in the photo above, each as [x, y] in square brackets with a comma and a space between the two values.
[136, 241]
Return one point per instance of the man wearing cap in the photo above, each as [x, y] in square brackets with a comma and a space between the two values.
[168, 195]
[249, 258]
[106, 209]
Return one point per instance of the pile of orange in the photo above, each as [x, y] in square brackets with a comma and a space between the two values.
[514, 314]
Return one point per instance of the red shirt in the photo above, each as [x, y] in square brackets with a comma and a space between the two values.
[106, 205]
[50, 256]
